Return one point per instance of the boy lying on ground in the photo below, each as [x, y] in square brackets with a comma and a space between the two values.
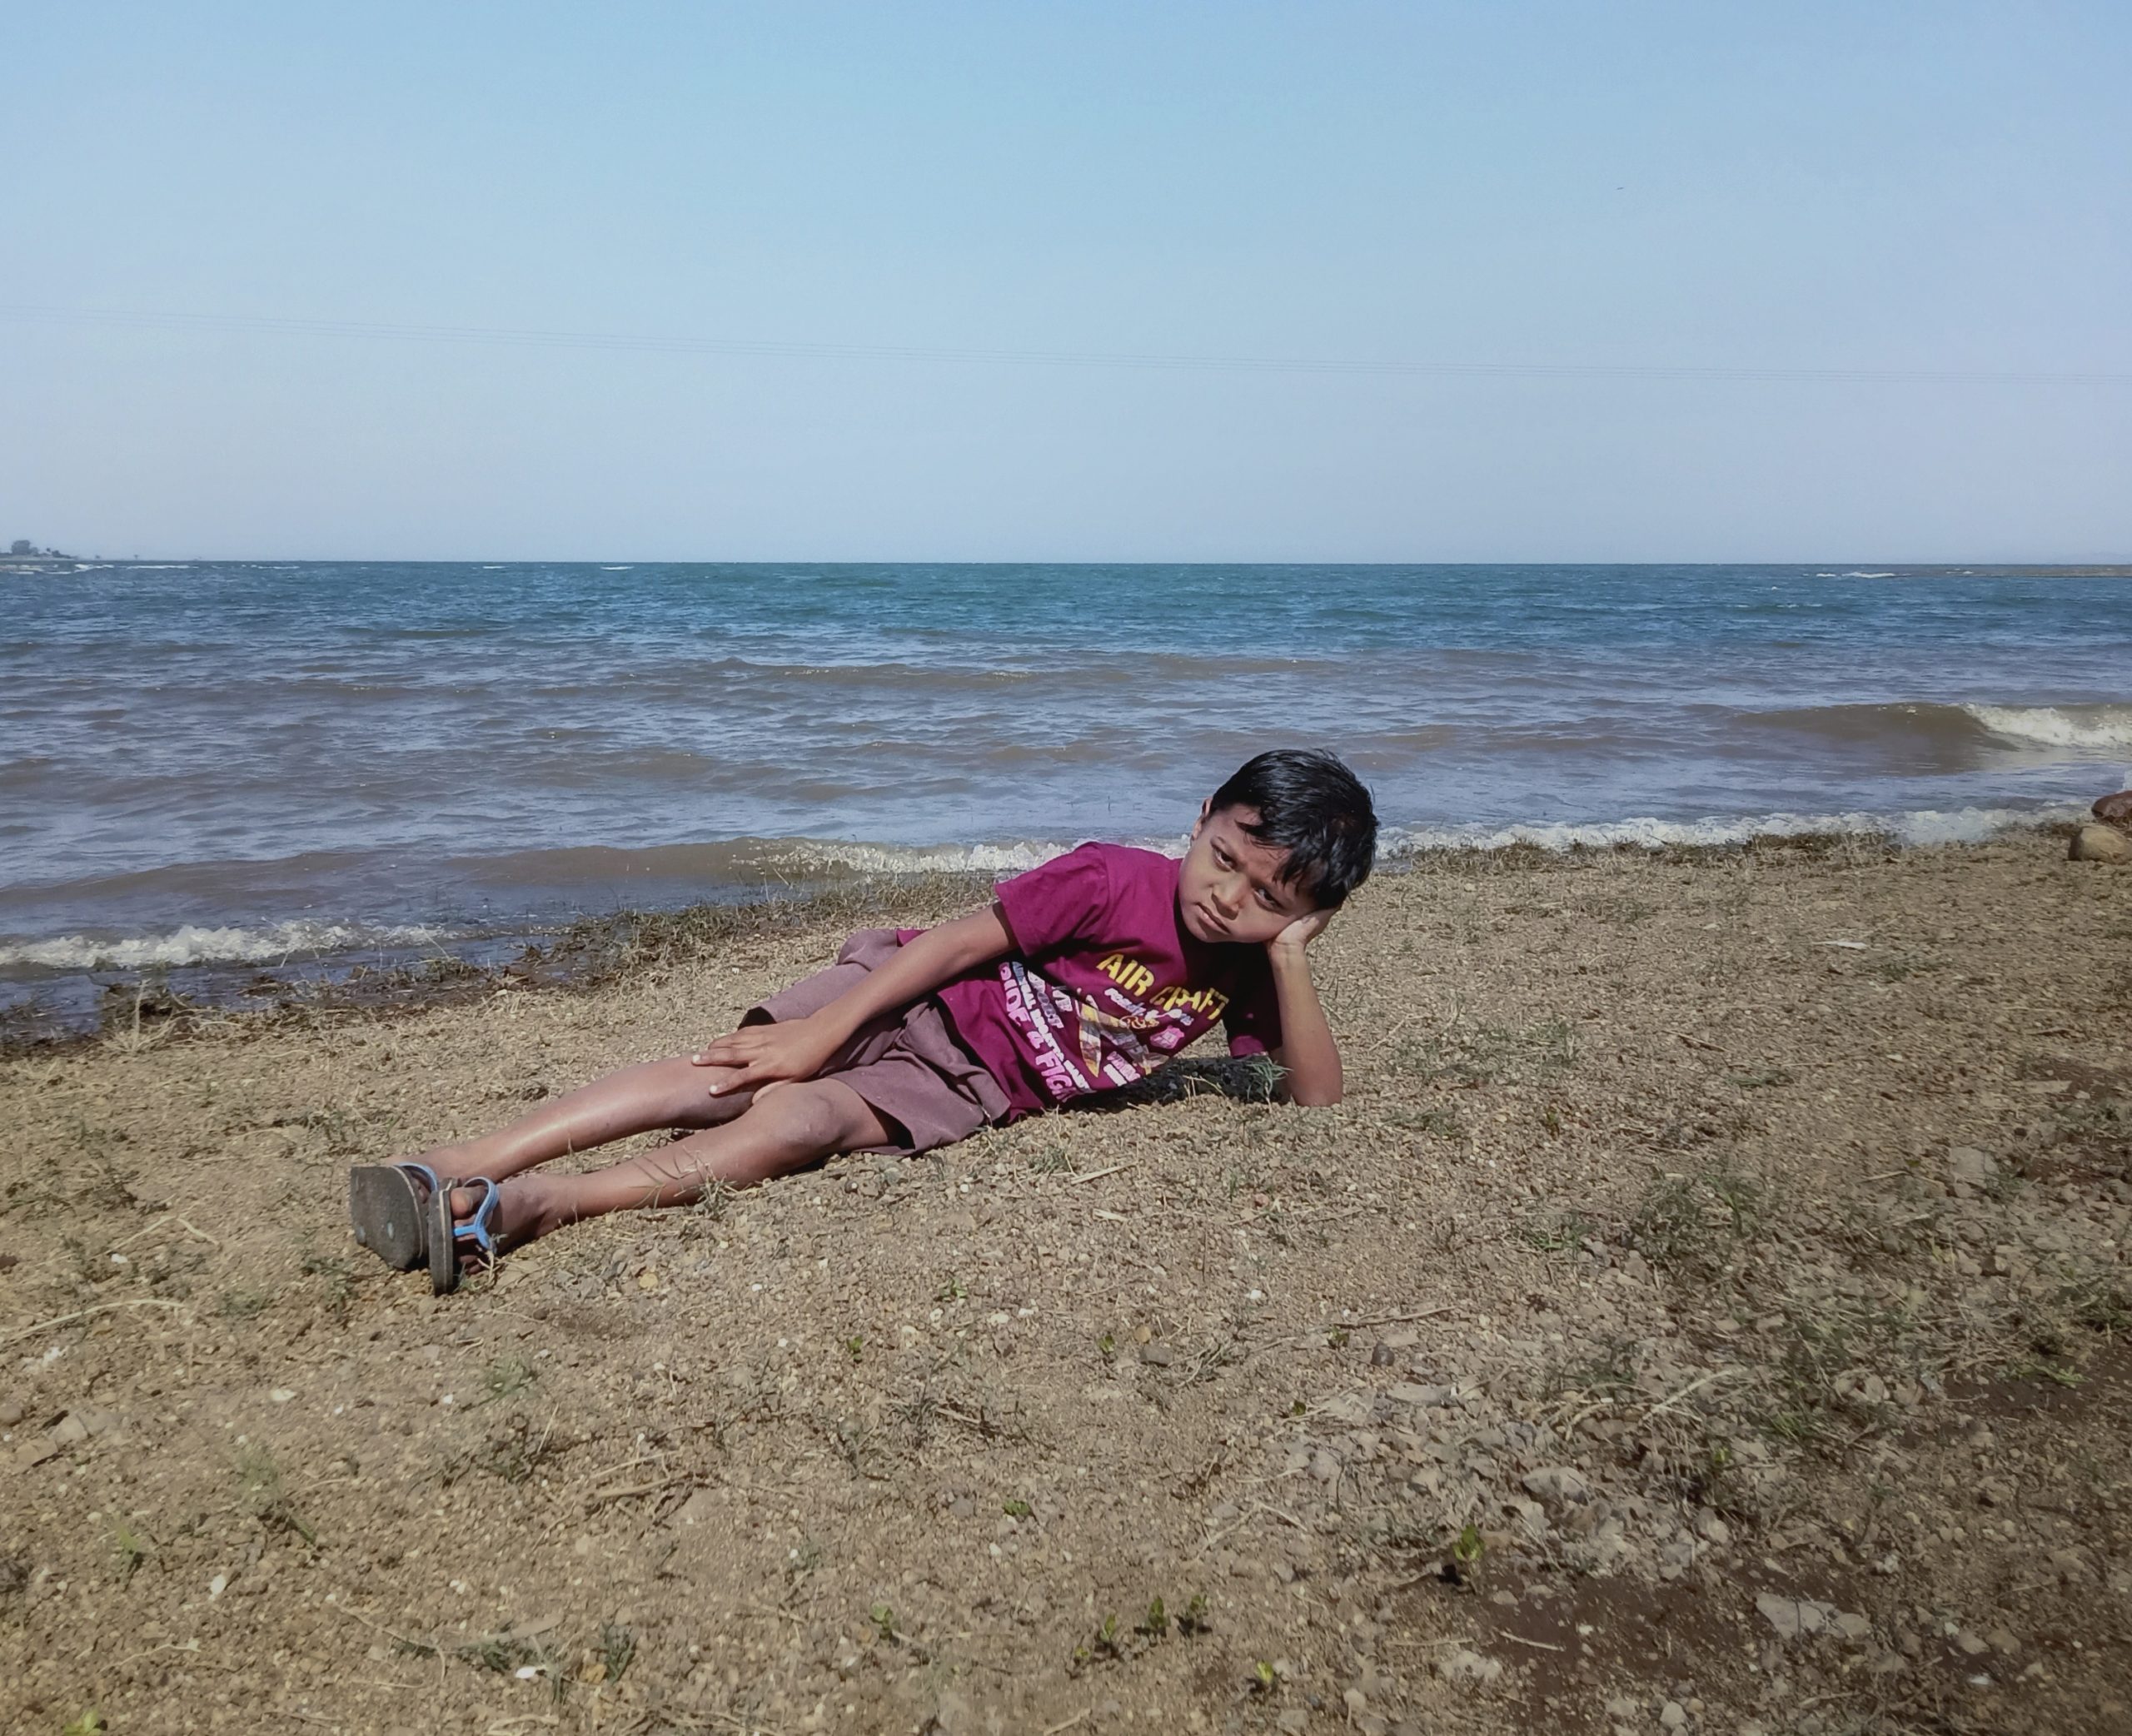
[1086, 974]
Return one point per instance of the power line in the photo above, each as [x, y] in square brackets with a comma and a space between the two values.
[532, 338]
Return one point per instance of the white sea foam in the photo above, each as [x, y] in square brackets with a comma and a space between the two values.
[1920, 826]
[192, 944]
[2100, 727]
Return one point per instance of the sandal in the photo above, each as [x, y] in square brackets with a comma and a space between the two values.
[388, 1205]
[448, 1237]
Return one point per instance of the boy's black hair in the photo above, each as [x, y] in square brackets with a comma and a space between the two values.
[1315, 809]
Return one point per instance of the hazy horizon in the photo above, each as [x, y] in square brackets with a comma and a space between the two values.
[1365, 284]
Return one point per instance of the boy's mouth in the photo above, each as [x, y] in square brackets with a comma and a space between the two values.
[1211, 924]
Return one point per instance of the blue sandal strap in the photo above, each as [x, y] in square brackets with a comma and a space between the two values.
[477, 1233]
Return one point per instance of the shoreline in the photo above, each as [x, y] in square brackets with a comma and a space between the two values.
[592, 951]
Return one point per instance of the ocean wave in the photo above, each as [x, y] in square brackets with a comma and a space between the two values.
[867, 859]
[1924, 826]
[192, 944]
[2102, 728]
[1962, 736]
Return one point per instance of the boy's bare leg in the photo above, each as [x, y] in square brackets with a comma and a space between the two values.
[675, 1093]
[786, 1127]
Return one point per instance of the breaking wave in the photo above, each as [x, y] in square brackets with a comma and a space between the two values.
[2092, 728]
[192, 944]
[1919, 827]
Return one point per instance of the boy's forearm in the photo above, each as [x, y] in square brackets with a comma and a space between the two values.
[1308, 1053]
[935, 957]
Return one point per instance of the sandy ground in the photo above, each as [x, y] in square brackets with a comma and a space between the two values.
[1707, 1313]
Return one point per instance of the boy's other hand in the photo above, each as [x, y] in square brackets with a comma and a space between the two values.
[792, 1049]
[1300, 932]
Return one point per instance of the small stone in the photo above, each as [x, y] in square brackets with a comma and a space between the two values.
[70, 1430]
[647, 1280]
[1793, 1616]
[1462, 1665]
[1557, 1483]
[1622, 1707]
[1972, 1166]
[1158, 1355]
[1355, 1701]
[2004, 1642]
[11, 1413]
[2100, 843]
[2115, 810]
[217, 1585]
[281, 1395]
[1673, 1715]
[1972, 1645]
[1294, 1721]
[1381, 1355]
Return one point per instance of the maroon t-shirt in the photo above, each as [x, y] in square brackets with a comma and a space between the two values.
[1104, 984]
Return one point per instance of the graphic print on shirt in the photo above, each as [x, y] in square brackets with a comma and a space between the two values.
[1080, 1045]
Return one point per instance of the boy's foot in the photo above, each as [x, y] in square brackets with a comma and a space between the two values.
[527, 1208]
[478, 1219]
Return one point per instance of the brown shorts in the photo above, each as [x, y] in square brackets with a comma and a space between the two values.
[907, 1066]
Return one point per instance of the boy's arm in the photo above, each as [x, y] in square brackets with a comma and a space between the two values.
[800, 1049]
[1308, 1056]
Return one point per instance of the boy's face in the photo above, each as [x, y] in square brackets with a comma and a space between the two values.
[1230, 890]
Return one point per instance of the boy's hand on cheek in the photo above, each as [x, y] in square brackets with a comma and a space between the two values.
[1300, 932]
[795, 1049]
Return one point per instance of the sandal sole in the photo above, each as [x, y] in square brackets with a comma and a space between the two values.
[387, 1215]
[443, 1245]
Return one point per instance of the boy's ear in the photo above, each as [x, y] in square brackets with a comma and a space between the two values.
[1206, 808]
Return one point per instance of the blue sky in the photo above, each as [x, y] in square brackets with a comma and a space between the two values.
[1920, 189]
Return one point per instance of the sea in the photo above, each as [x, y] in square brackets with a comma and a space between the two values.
[208, 768]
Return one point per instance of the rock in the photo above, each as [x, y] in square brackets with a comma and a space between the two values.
[1557, 1483]
[70, 1430]
[11, 1413]
[1294, 1721]
[1795, 1616]
[1675, 1716]
[1157, 1355]
[1462, 1665]
[2115, 810]
[1969, 1165]
[2100, 843]
[1429, 1398]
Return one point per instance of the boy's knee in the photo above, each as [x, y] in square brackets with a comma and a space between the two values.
[799, 1114]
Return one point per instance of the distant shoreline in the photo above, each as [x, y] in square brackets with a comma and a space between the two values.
[1891, 569]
